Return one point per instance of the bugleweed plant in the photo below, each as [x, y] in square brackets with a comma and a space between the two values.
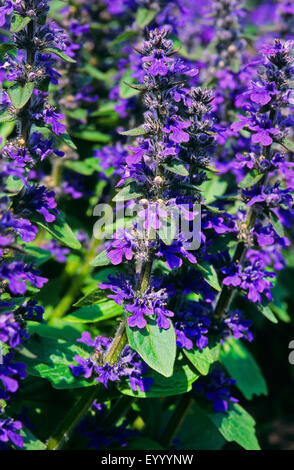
[139, 331]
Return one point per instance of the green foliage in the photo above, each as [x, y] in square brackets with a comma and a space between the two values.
[156, 346]
[242, 367]
[202, 360]
[180, 382]
[59, 229]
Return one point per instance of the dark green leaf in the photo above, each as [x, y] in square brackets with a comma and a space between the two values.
[93, 297]
[209, 274]
[67, 140]
[104, 310]
[59, 229]
[156, 346]
[242, 367]
[30, 441]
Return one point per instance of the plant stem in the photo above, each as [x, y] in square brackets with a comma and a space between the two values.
[70, 296]
[183, 406]
[81, 407]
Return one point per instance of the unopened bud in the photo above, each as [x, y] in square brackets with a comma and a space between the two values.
[158, 180]
[144, 202]
[232, 49]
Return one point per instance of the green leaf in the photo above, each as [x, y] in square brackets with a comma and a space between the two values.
[6, 117]
[19, 95]
[85, 167]
[101, 259]
[144, 17]
[67, 140]
[236, 425]
[209, 274]
[36, 255]
[125, 91]
[213, 188]
[276, 223]
[137, 131]
[289, 145]
[128, 192]
[92, 135]
[156, 346]
[59, 53]
[250, 179]
[18, 23]
[176, 167]
[104, 310]
[5, 48]
[202, 360]
[59, 229]
[30, 441]
[49, 358]
[180, 382]
[124, 37]
[167, 231]
[13, 184]
[142, 443]
[268, 313]
[242, 367]
[198, 432]
[93, 297]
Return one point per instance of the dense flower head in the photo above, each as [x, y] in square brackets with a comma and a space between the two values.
[215, 387]
[128, 365]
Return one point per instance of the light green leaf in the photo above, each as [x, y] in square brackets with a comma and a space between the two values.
[67, 140]
[156, 346]
[49, 358]
[250, 179]
[144, 17]
[124, 37]
[92, 297]
[92, 135]
[18, 23]
[177, 167]
[180, 382]
[236, 425]
[19, 95]
[128, 192]
[202, 360]
[125, 91]
[101, 259]
[137, 131]
[59, 53]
